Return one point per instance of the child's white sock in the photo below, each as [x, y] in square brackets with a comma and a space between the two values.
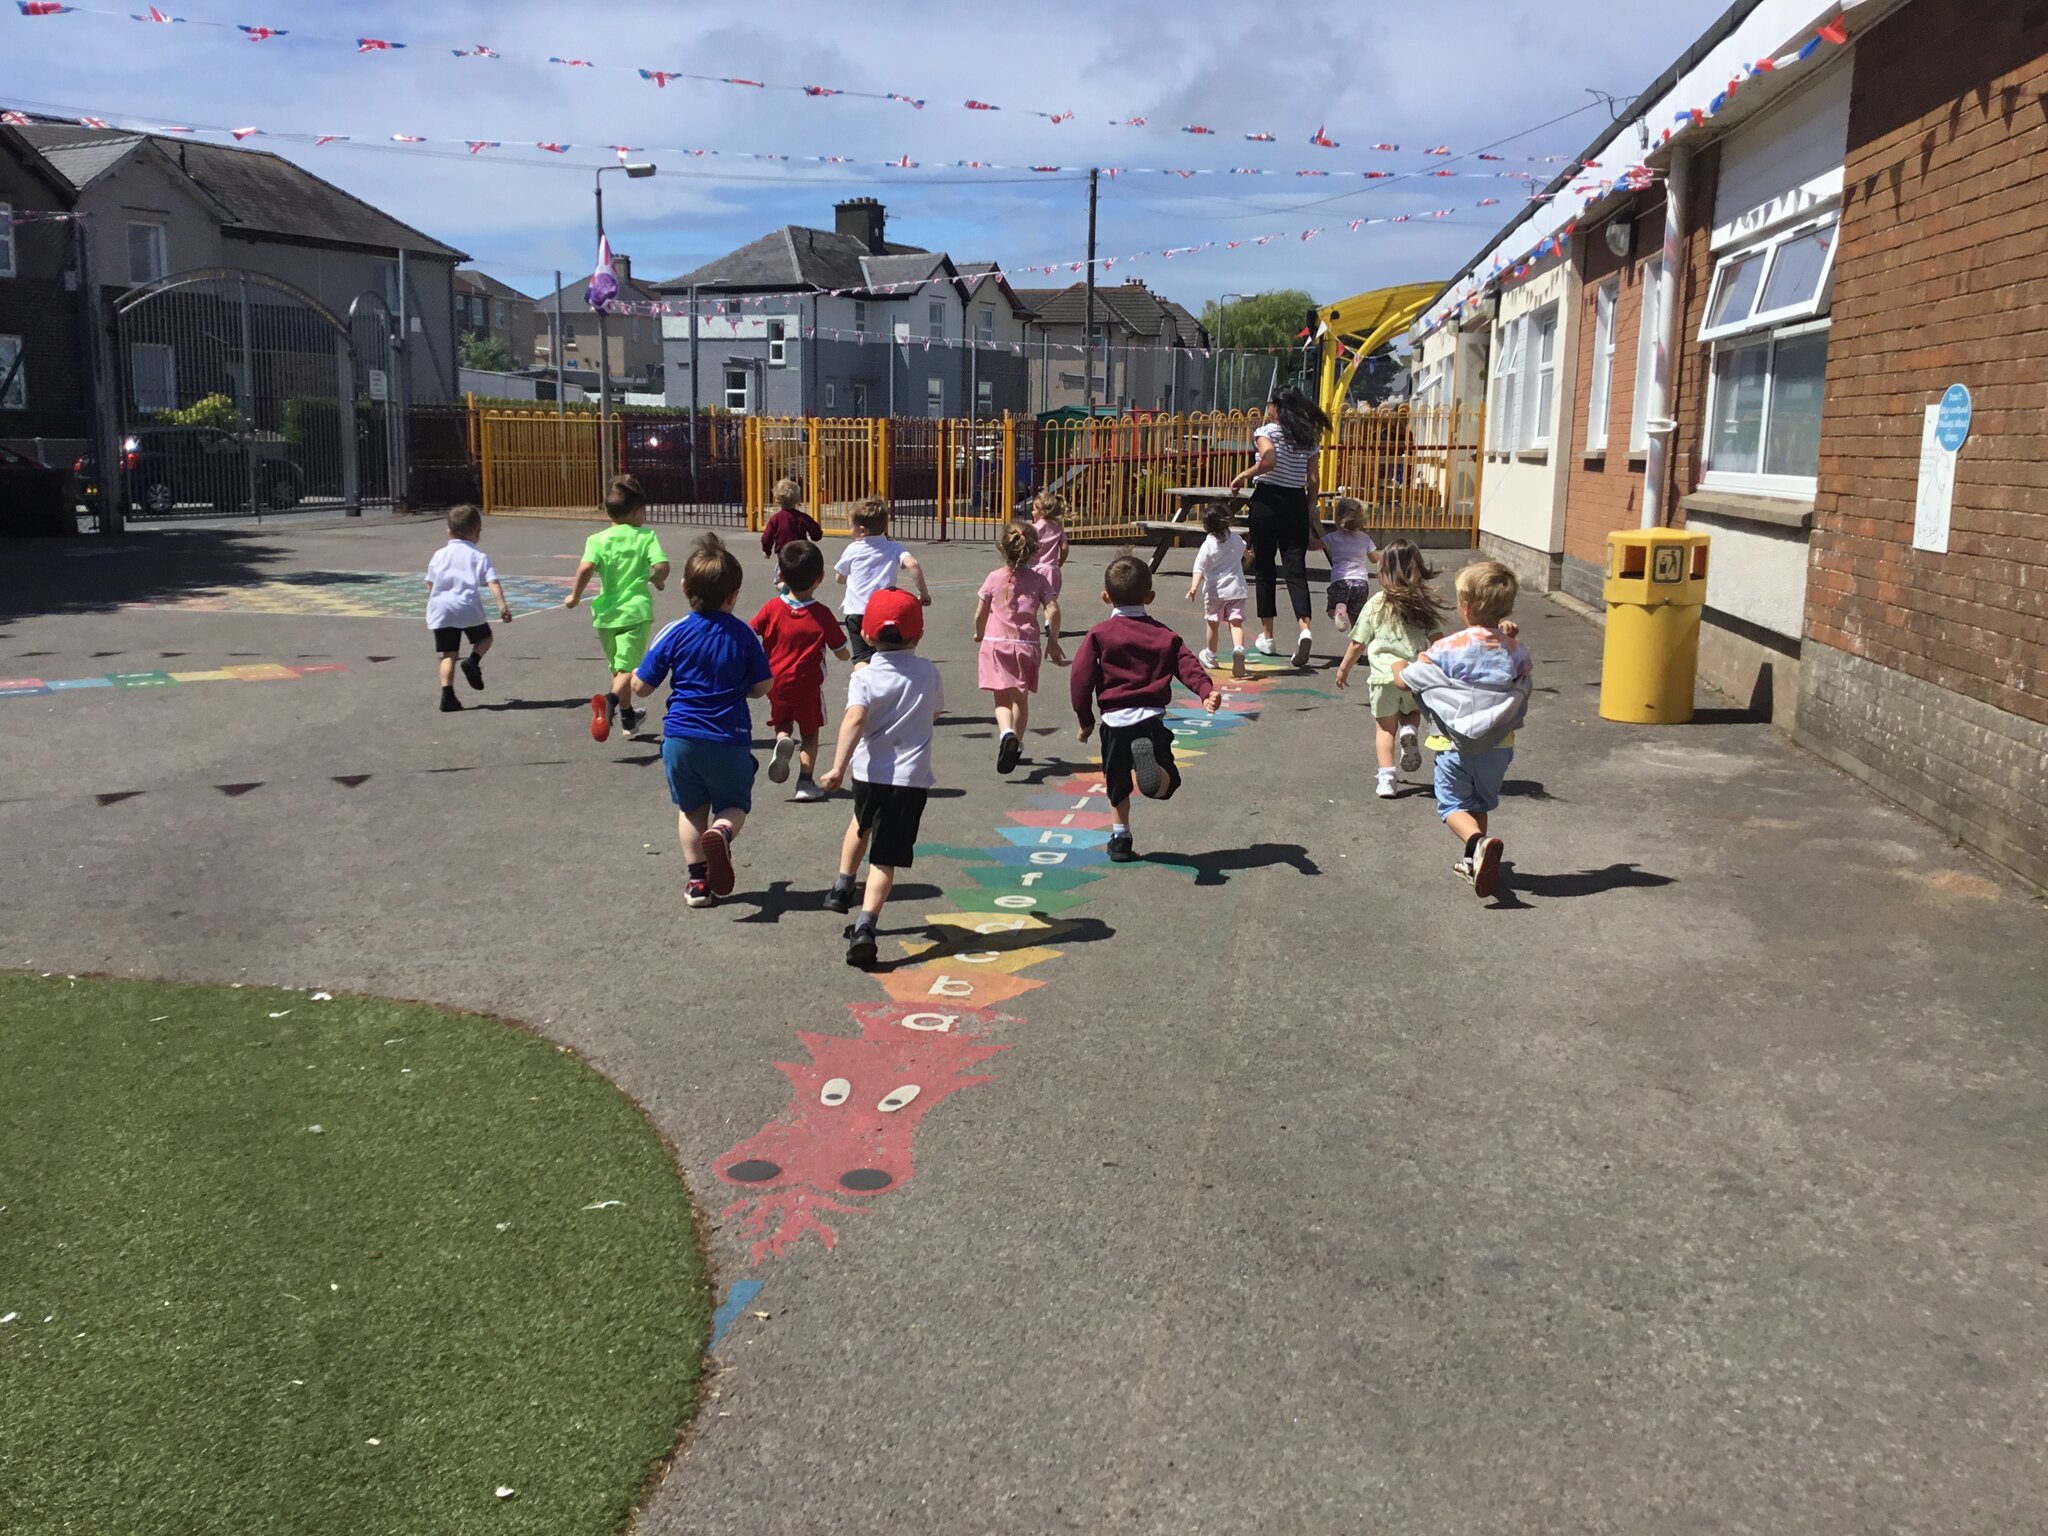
[1120, 829]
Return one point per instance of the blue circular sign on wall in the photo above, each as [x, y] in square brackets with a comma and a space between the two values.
[1952, 425]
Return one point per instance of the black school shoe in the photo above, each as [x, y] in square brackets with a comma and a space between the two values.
[449, 703]
[842, 898]
[1009, 754]
[1120, 849]
[862, 948]
[1145, 769]
[473, 669]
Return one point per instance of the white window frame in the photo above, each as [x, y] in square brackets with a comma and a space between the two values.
[7, 241]
[166, 374]
[159, 247]
[984, 395]
[985, 325]
[778, 343]
[1793, 487]
[1652, 286]
[935, 318]
[16, 398]
[1539, 382]
[1814, 304]
[935, 398]
[745, 391]
[859, 401]
[831, 396]
[1507, 386]
[860, 317]
[1600, 403]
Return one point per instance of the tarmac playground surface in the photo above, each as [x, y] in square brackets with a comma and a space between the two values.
[1274, 1183]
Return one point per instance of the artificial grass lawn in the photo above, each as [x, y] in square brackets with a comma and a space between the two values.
[218, 1309]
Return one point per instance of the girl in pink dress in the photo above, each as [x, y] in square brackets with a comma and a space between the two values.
[1006, 630]
[1048, 521]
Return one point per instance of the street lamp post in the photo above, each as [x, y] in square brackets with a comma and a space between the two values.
[1222, 352]
[636, 171]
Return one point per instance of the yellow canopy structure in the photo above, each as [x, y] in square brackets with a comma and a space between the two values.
[1360, 326]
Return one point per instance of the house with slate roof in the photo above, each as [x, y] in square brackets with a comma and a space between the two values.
[160, 204]
[1150, 354]
[632, 342]
[845, 322]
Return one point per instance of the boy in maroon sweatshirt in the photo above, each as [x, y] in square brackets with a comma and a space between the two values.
[1128, 664]
[790, 522]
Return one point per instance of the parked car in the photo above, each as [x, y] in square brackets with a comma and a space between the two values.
[166, 468]
[34, 499]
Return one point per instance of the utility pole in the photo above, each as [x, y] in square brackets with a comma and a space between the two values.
[561, 394]
[1088, 331]
[695, 396]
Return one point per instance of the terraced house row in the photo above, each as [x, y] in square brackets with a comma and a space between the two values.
[1814, 323]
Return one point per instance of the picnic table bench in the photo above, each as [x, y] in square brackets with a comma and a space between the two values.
[1185, 526]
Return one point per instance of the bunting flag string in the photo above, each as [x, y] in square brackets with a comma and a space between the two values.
[661, 78]
[1467, 295]
[477, 145]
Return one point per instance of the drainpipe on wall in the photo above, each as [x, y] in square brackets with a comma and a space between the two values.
[1662, 427]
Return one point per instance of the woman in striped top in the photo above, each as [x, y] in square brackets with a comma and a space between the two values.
[1282, 523]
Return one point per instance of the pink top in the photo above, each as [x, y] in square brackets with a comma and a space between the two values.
[1052, 547]
[1014, 599]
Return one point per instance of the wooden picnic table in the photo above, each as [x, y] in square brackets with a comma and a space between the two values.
[1185, 526]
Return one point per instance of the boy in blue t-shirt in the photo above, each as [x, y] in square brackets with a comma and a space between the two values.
[714, 664]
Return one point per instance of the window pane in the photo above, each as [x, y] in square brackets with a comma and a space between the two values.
[1646, 353]
[1739, 375]
[1603, 365]
[1798, 376]
[1735, 290]
[1795, 275]
[13, 375]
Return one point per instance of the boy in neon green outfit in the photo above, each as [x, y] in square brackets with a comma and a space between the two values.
[627, 558]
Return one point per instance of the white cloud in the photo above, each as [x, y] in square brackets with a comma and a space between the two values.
[1463, 72]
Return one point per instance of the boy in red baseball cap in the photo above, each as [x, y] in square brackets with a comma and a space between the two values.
[886, 740]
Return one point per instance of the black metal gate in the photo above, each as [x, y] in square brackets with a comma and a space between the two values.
[242, 395]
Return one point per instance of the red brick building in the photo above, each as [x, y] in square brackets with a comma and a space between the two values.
[1860, 206]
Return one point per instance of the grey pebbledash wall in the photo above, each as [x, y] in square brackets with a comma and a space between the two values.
[1972, 769]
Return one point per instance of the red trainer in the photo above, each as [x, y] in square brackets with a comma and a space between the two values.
[718, 860]
[600, 717]
[1486, 869]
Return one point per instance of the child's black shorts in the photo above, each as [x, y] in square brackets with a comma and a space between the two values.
[448, 641]
[890, 815]
[858, 649]
[1116, 757]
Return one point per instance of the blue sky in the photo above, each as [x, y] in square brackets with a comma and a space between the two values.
[1463, 72]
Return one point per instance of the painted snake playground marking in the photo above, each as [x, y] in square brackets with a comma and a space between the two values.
[845, 1136]
[261, 672]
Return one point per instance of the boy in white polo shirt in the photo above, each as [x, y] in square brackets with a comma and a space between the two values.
[886, 738]
[869, 565]
[456, 577]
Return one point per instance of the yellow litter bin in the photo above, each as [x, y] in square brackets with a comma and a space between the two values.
[1656, 586]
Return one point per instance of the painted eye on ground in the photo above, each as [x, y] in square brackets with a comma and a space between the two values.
[898, 1098]
[835, 1092]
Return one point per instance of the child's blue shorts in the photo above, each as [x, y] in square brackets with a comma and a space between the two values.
[1470, 783]
[719, 774]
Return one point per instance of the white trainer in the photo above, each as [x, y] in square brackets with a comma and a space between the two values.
[1207, 658]
[1411, 749]
[1265, 646]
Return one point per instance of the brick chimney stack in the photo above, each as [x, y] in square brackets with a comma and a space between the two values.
[862, 219]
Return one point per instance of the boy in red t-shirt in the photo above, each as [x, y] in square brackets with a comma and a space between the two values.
[797, 631]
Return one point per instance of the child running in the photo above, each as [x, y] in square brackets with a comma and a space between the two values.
[790, 521]
[1352, 557]
[797, 630]
[1006, 630]
[1049, 522]
[1403, 617]
[626, 558]
[714, 665]
[871, 563]
[456, 577]
[886, 740]
[1218, 583]
[1128, 664]
[1477, 685]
